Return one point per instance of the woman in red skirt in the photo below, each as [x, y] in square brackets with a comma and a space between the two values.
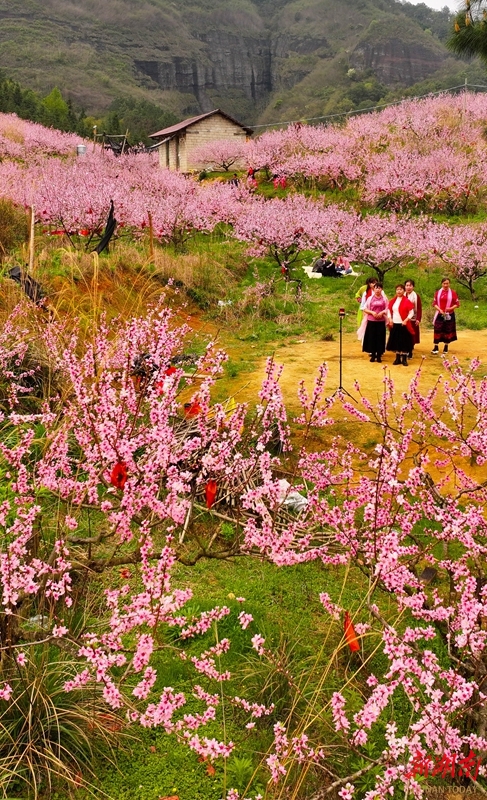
[444, 324]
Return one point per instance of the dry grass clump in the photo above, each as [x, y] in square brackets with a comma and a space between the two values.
[51, 739]
[13, 227]
[82, 285]
[204, 279]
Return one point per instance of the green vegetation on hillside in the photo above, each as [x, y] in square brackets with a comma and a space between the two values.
[138, 117]
[261, 61]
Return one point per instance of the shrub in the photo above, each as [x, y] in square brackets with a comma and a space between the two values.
[49, 738]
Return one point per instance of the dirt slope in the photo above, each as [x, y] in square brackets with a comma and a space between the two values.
[301, 359]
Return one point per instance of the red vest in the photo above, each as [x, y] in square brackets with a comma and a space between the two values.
[405, 307]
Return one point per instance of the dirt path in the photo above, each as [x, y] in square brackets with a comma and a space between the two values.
[301, 359]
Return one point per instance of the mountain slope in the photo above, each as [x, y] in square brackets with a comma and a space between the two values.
[263, 60]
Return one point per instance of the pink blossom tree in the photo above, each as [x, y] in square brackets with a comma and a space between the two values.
[74, 195]
[407, 518]
[382, 243]
[21, 139]
[221, 155]
[303, 152]
[279, 228]
[465, 254]
[441, 181]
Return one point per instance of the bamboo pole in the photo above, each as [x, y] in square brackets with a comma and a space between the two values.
[151, 239]
[124, 143]
[31, 239]
[96, 266]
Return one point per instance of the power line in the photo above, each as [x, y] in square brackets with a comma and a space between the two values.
[464, 86]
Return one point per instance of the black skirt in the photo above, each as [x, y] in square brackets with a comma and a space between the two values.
[400, 340]
[445, 330]
[374, 337]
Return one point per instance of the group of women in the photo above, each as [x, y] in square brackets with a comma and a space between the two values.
[402, 316]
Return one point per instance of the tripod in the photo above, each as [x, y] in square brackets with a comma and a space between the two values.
[340, 389]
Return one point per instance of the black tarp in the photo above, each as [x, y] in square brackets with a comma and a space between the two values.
[31, 287]
[110, 226]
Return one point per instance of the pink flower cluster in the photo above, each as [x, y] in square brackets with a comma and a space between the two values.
[390, 519]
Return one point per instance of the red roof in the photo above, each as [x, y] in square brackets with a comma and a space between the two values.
[181, 126]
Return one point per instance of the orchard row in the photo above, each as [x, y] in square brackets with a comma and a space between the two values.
[72, 195]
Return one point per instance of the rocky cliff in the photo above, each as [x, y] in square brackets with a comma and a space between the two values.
[394, 62]
[251, 57]
[227, 63]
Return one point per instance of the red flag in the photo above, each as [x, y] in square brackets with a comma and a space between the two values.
[192, 409]
[118, 475]
[210, 492]
[350, 634]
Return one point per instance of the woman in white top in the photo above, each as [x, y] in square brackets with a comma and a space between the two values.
[400, 312]
[412, 295]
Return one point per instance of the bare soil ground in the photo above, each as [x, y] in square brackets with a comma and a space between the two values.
[301, 359]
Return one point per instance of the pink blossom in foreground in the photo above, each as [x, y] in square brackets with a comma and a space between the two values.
[378, 513]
